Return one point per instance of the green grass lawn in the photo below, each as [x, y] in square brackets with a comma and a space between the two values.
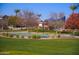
[39, 47]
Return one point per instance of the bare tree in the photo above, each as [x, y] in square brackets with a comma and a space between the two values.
[56, 20]
[30, 19]
[3, 22]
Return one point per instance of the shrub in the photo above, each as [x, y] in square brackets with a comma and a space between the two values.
[66, 32]
[22, 36]
[76, 33]
[36, 36]
[17, 36]
[5, 34]
[10, 35]
[29, 37]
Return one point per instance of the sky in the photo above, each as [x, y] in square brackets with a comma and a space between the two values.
[45, 9]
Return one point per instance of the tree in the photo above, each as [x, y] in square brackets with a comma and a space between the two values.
[73, 7]
[17, 11]
[30, 19]
[72, 22]
[12, 21]
[3, 22]
[56, 20]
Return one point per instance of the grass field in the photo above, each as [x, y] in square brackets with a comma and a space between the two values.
[39, 47]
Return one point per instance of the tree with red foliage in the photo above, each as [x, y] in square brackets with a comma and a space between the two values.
[72, 22]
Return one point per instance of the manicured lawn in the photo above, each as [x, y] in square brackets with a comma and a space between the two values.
[39, 47]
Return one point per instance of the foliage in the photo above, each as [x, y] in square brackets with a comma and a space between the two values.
[17, 36]
[30, 18]
[56, 20]
[17, 11]
[3, 22]
[5, 34]
[11, 35]
[12, 20]
[76, 33]
[22, 36]
[72, 22]
[73, 7]
[34, 36]
[66, 32]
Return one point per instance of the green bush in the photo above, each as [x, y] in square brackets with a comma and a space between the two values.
[36, 36]
[17, 36]
[76, 33]
[44, 30]
[10, 35]
[22, 36]
[66, 32]
[29, 37]
[5, 34]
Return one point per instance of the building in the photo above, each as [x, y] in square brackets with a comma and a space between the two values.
[44, 24]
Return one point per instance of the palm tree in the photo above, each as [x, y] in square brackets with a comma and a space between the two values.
[39, 15]
[73, 8]
[17, 11]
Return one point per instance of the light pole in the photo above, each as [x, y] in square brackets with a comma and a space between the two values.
[43, 26]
